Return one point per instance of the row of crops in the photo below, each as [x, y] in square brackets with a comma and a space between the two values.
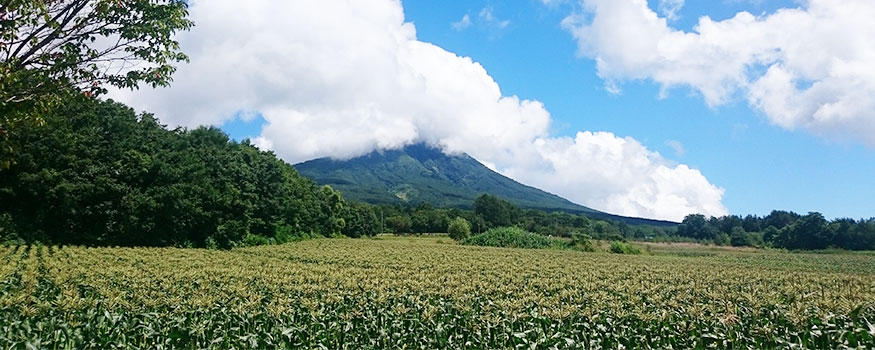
[420, 293]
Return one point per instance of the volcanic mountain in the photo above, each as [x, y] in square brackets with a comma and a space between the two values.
[421, 174]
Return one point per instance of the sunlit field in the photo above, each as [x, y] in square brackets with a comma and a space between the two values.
[432, 293]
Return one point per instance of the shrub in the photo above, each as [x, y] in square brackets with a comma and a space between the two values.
[459, 229]
[514, 237]
[253, 240]
[618, 247]
[721, 239]
[581, 241]
[7, 229]
[739, 238]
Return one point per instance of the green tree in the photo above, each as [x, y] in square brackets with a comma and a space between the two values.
[809, 232]
[99, 174]
[459, 229]
[399, 223]
[752, 223]
[722, 239]
[50, 48]
[360, 220]
[780, 219]
[739, 237]
[696, 226]
[606, 231]
[495, 211]
[770, 233]
[581, 241]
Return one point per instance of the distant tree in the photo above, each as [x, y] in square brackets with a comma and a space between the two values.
[755, 239]
[438, 221]
[722, 239]
[332, 203]
[553, 229]
[495, 211]
[770, 234]
[752, 223]
[780, 219]
[728, 223]
[696, 226]
[862, 236]
[359, 220]
[624, 229]
[606, 231]
[399, 223]
[583, 242]
[739, 237]
[459, 229]
[420, 222]
[478, 224]
[809, 232]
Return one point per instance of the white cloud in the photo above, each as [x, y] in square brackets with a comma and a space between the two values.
[486, 14]
[552, 3]
[339, 78]
[677, 146]
[670, 8]
[462, 24]
[620, 175]
[808, 68]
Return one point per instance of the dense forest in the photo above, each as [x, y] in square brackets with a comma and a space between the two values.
[99, 174]
[782, 229]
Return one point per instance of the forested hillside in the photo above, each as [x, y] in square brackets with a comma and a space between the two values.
[99, 174]
[422, 174]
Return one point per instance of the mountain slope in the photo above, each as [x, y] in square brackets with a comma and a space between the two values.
[420, 174]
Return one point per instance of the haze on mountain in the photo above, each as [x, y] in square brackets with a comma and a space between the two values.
[419, 174]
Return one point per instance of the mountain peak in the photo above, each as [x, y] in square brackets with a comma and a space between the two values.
[420, 173]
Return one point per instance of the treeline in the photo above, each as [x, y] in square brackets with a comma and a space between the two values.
[99, 174]
[492, 212]
[782, 229]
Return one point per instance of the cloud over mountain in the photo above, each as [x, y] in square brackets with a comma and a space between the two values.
[338, 78]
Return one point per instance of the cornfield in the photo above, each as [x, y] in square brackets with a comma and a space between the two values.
[422, 293]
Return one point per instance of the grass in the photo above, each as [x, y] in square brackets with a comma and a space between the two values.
[430, 293]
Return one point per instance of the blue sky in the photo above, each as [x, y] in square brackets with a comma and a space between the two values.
[620, 105]
[761, 166]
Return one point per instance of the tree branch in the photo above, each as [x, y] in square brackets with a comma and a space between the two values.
[54, 34]
[33, 34]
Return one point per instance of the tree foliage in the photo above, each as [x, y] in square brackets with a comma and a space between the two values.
[459, 229]
[359, 220]
[99, 174]
[495, 211]
[782, 229]
[50, 47]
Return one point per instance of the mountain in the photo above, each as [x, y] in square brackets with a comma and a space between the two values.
[422, 174]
